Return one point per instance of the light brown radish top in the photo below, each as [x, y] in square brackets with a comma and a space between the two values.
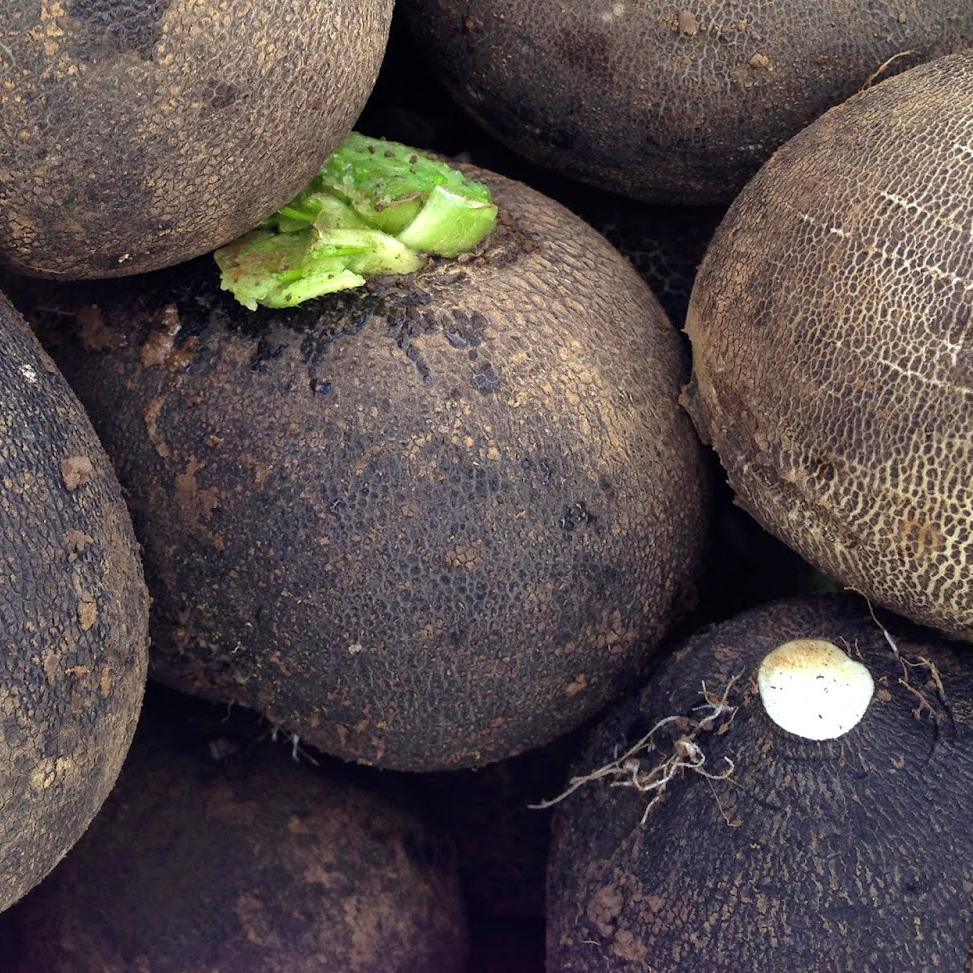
[833, 344]
[813, 689]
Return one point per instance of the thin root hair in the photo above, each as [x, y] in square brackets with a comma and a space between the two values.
[880, 70]
[629, 769]
[921, 662]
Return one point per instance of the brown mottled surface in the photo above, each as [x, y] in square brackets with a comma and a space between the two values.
[217, 852]
[138, 133]
[850, 854]
[428, 524]
[669, 102]
[833, 344]
[73, 616]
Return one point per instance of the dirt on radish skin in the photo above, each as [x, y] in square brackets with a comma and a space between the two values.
[145, 133]
[217, 850]
[669, 102]
[426, 524]
[832, 357]
[763, 845]
[73, 613]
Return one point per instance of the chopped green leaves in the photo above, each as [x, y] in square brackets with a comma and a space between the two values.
[376, 208]
[449, 223]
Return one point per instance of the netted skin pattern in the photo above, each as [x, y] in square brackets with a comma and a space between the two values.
[670, 102]
[427, 524]
[833, 345]
[794, 854]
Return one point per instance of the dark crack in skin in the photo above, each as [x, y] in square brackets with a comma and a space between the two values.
[666, 244]
[848, 854]
[73, 616]
[832, 342]
[427, 524]
[502, 842]
[218, 853]
[669, 102]
[135, 134]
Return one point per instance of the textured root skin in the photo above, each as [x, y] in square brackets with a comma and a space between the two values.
[75, 616]
[665, 243]
[847, 854]
[216, 851]
[833, 363]
[667, 104]
[426, 525]
[175, 129]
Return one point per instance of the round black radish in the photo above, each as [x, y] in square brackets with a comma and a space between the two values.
[790, 794]
[138, 133]
[832, 344]
[670, 102]
[218, 853]
[73, 616]
[425, 524]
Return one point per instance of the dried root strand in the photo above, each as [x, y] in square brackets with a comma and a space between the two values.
[633, 769]
[920, 663]
[880, 70]
[297, 751]
[871, 611]
[934, 677]
[731, 822]
[919, 695]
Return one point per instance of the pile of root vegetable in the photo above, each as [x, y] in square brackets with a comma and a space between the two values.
[486, 487]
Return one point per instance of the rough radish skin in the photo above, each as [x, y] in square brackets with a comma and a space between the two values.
[74, 613]
[833, 345]
[669, 102]
[426, 524]
[217, 852]
[134, 135]
[794, 854]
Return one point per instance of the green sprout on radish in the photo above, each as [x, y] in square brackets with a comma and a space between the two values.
[376, 208]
